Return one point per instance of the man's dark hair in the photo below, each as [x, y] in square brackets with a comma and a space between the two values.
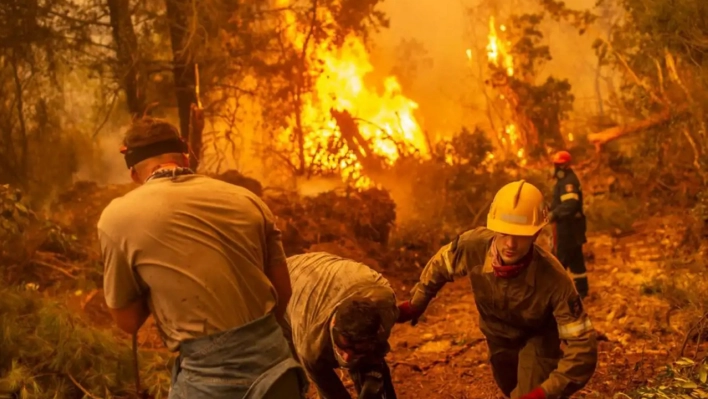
[148, 130]
[358, 319]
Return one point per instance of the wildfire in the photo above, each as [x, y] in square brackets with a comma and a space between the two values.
[497, 50]
[499, 55]
[385, 119]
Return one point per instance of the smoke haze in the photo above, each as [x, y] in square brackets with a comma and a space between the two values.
[448, 86]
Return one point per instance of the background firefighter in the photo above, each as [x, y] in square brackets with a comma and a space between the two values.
[569, 219]
[340, 315]
[205, 258]
[527, 302]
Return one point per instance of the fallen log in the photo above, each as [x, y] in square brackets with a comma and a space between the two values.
[616, 132]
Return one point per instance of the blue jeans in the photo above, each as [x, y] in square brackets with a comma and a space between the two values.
[249, 362]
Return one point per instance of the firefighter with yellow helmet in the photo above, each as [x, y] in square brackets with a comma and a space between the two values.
[527, 303]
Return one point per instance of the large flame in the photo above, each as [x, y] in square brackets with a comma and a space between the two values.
[498, 50]
[499, 55]
[385, 119]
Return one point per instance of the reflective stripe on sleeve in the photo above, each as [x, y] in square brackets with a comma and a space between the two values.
[575, 329]
[570, 196]
[576, 276]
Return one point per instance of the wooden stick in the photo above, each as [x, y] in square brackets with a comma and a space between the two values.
[196, 85]
[87, 393]
[136, 365]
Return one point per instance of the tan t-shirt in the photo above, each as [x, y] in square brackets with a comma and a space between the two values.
[198, 247]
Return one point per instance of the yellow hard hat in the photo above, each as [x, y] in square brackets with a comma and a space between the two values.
[518, 209]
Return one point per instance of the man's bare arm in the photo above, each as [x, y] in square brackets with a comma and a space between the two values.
[126, 301]
[276, 266]
[279, 276]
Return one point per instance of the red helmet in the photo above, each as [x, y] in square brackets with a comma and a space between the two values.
[562, 157]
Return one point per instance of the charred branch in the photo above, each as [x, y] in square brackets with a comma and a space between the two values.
[633, 75]
[356, 142]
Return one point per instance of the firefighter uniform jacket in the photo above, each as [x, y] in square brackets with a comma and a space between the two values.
[320, 282]
[540, 302]
[567, 209]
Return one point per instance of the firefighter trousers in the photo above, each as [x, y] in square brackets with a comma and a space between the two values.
[571, 257]
[519, 369]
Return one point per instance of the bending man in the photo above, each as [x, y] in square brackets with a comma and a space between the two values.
[340, 316]
[205, 258]
[527, 303]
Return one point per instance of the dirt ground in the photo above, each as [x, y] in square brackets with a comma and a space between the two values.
[445, 355]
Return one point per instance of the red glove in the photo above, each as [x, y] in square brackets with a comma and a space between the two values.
[407, 312]
[537, 393]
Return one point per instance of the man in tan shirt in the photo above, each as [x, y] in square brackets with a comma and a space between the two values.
[204, 257]
[527, 303]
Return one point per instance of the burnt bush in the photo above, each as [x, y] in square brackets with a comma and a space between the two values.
[338, 216]
[239, 179]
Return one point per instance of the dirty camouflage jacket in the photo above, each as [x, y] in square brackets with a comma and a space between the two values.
[320, 282]
[542, 298]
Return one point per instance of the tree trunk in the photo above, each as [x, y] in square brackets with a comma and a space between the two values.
[616, 132]
[129, 65]
[184, 71]
[196, 128]
[19, 100]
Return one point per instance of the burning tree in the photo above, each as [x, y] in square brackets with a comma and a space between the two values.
[527, 115]
[324, 118]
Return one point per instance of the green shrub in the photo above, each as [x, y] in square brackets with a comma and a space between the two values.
[684, 379]
[46, 351]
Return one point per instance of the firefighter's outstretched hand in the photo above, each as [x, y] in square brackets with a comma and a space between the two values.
[407, 312]
[537, 393]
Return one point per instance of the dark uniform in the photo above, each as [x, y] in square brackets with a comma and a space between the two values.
[570, 226]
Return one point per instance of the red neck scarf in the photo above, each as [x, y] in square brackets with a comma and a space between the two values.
[509, 271]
